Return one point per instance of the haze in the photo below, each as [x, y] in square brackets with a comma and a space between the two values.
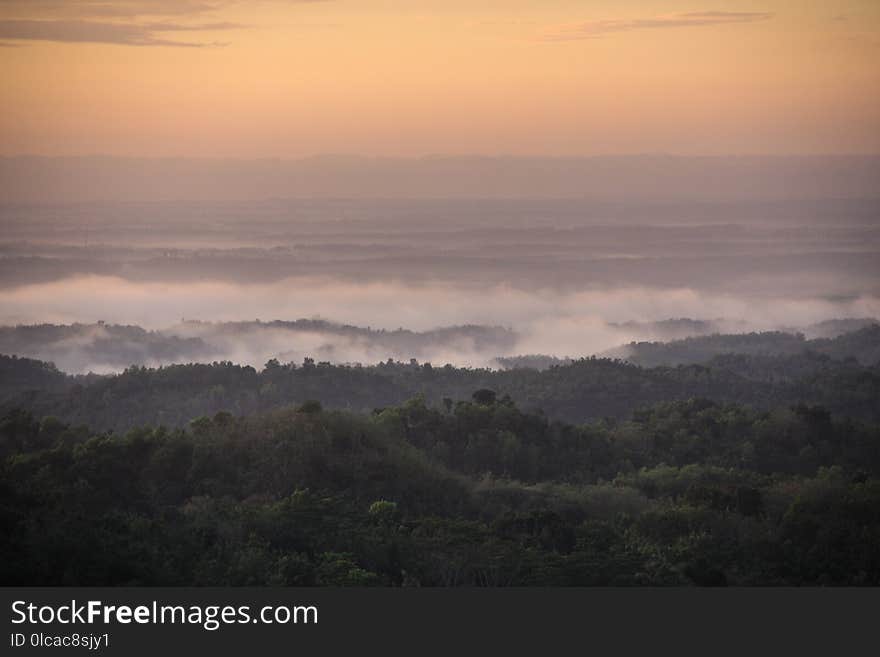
[564, 278]
[548, 177]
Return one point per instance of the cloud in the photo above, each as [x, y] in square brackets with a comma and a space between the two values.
[130, 34]
[111, 9]
[120, 22]
[598, 28]
[85, 9]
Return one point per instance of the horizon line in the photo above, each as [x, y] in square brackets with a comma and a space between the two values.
[442, 156]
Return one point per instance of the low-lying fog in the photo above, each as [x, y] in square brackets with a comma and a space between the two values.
[565, 279]
[546, 321]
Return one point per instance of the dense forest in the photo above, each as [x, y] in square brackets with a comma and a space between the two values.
[477, 493]
[757, 465]
[579, 391]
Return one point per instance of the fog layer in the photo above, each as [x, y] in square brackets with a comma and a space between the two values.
[563, 278]
[545, 321]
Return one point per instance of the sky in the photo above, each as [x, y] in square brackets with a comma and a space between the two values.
[293, 78]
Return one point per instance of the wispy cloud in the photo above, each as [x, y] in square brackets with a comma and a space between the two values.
[85, 9]
[130, 34]
[106, 9]
[598, 28]
[120, 22]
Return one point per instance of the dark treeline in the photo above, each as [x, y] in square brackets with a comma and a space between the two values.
[475, 492]
[862, 345]
[581, 391]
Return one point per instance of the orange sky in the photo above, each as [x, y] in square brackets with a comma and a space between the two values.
[292, 78]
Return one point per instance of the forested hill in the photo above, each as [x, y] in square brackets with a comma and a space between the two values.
[862, 345]
[581, 391]
[479, 494]
[750, 468]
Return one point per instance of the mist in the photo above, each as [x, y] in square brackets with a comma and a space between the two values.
[396, 320]
[463, 282]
